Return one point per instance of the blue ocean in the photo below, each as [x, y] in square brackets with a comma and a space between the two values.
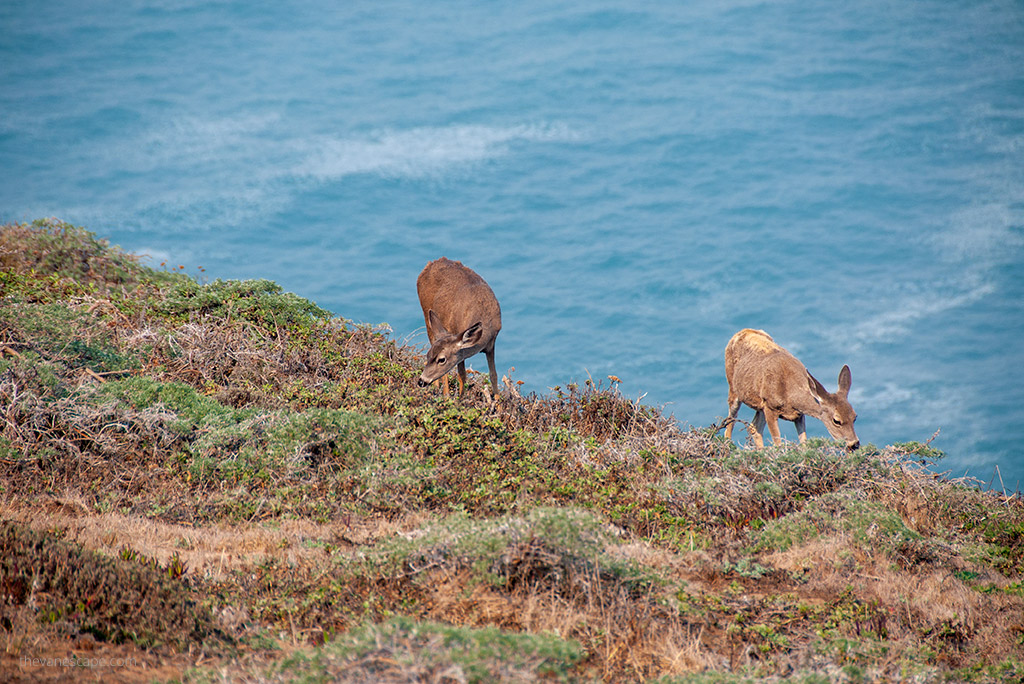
[636, 180]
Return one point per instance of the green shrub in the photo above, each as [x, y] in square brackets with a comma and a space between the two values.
[869, 525]
[50, 246]
[547, 546]
[246, 442]
[66, 334]
[261, 302]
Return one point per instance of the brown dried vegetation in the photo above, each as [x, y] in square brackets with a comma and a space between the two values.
[224, 475]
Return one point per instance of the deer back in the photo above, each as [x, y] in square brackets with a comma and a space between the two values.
[760, 373]
[459, 297]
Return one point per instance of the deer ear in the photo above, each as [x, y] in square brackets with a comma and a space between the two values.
[471, 335]
[845, 379]
[435, 323]
[818, 390]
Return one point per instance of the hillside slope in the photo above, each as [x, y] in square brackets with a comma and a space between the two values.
[207, 480]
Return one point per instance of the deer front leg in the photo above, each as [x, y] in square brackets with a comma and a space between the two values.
[490, 366]
[756, 429]
[462, 377]
[734, 409]
[772, 419]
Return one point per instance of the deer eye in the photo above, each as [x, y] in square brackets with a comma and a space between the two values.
[440, 360]
[836, 421]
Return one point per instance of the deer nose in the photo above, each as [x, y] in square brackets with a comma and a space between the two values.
[854, 446]
[422, 383]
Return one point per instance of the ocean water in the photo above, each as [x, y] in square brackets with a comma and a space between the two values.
[637, 181]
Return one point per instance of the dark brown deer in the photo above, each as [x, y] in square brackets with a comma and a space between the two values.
[770, 380]
[462, 317]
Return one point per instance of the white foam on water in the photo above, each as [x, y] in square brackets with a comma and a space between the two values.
[201, 145]
[897, 323]
[199, 154]
[912, 412]
[982, 235]
[420, 152]
[189, 166]
[888, 395]
[978, 239]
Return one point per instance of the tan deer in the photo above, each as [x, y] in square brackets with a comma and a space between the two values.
[770, 380]
[462, 317]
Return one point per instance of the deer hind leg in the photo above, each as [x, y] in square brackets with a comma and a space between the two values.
[734, 409]
[756, 428]
[801, 428]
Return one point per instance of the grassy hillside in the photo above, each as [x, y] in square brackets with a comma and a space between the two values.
[202, 481]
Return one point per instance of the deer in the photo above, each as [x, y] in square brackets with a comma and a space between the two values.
[770, 380]
[463, 318]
